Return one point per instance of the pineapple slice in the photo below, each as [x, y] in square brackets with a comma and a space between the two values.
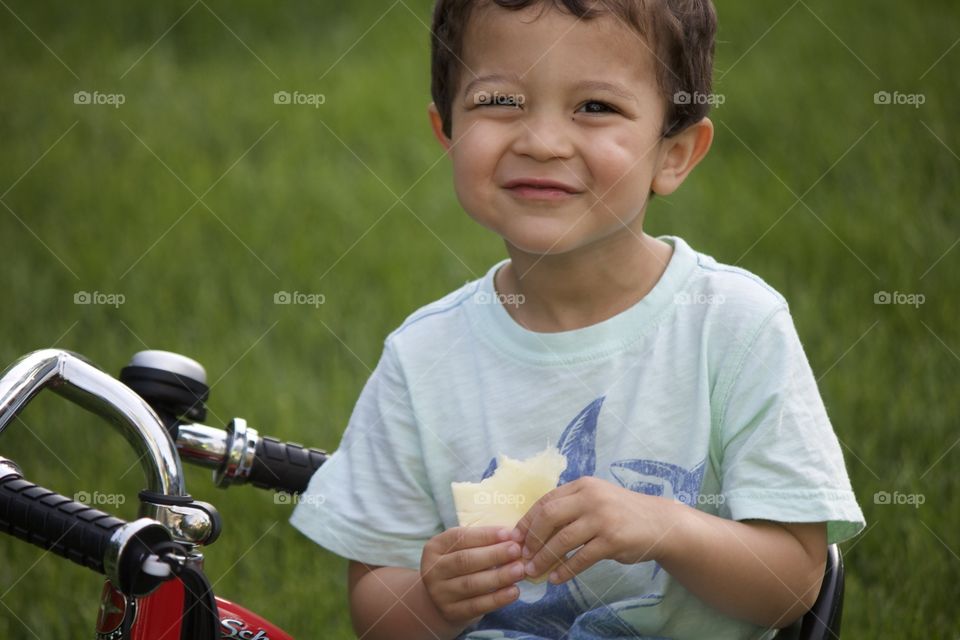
[503, 498]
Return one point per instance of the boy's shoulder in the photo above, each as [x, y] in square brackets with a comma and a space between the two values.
[732, 308]
[434, 319]
[733, 291]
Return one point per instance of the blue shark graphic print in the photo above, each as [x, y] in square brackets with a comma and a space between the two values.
[568, 610]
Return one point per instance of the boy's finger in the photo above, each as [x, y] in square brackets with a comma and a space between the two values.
[557, 547]
[523, 525]
[466, 561]
[576, 564]
[481, 582]
[486, 603]
[468, 537]
[546, 520]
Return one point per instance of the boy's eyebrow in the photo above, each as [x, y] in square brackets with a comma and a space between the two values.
[616, 89]
[589, 85]
[492, 77]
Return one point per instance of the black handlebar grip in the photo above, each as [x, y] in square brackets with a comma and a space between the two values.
[284, 466]
[72, 530]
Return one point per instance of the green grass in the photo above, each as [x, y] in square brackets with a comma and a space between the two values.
[99, 212]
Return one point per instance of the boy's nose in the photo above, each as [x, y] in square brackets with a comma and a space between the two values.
[543, 137]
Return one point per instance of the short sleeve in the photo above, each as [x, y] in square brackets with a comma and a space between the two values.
[371, 501]
[780, 458]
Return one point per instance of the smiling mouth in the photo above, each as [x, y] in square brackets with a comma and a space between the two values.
[527, 192]
[536, 189]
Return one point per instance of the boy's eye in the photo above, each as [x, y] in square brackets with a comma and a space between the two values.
[595, 106]
[484, 99]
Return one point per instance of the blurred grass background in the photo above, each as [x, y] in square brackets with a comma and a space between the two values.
[103, 199]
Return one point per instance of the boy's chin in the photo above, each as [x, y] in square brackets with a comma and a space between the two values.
[543, 244]
[583, 236]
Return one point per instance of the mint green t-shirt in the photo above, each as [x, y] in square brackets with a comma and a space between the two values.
[700, 392]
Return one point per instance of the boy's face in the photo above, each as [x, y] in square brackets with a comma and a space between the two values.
[590, 118]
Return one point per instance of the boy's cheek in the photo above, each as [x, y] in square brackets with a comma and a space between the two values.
[475, 172]
[620, 162]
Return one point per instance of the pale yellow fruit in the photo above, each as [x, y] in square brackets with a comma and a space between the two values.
[503, 498]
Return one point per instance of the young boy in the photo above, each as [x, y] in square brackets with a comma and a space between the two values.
[703, 479]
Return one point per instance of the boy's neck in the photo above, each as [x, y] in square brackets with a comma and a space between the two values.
[584, 286]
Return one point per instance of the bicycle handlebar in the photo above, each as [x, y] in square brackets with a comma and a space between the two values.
[80, 533]
[155, 410]
[175, 386]
[284, 466]
[78, 380]
[238, 454]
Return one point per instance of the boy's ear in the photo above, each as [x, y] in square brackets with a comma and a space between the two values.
[436, 123]
[680, 154]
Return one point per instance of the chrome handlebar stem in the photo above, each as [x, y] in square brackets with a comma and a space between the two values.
[75, 378]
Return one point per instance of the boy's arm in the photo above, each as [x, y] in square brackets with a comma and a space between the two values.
[392, 602]
[465, 572]
[766, 572]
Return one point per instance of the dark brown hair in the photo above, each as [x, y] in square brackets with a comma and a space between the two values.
[681, 34]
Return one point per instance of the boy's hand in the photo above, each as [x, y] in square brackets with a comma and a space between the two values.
[470, 571]
[609, 521]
